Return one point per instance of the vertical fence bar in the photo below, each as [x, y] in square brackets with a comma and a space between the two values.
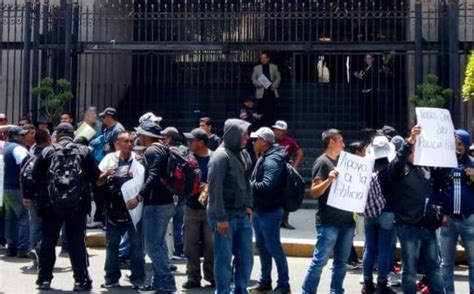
[35, 69]
[418, 43]
[25, 107]
[454, 83]
[67, 40]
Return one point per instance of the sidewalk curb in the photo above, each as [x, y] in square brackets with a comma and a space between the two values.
[292, 247]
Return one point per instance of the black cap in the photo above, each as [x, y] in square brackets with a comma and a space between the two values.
[197, 134]
[389, 131]
[171, 132]
[109, 111]
[64, 128]
[16, 130]
[149, 129]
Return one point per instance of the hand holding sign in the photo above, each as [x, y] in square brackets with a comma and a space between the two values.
[333, 175]
[415, 132]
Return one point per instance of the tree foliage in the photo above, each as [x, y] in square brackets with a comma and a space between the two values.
[468, 87]
[430, 94]
[53, 96]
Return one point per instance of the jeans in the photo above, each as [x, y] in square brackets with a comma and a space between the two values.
[155, 225]
[76, 230]
[124, 247]
[238, 242]
[64, 239]
[196, 228]
[178, 221]
[380, 235]
[35, 226]
[329, 238]
[17, 223]
[449, 239]
[419, 243]
[267, 235]
[112, 262]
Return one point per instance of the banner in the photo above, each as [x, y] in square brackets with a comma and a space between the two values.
[435, 146]
[349, 191]
[85, 131]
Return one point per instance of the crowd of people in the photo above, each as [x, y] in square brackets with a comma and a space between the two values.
[51, 178]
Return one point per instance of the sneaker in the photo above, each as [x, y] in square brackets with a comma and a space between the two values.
[354, 265]
[46, 285]
[286, 225]
[394, 280]
[173, 267]
[368, 287]
[110, 285]
[281, 290]
[34, 256]
[190, 284]
[260, 288]
[82, 287]
[147, 289]
[178, 257]
[382, 288]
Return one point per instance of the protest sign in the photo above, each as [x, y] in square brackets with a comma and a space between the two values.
[349, 191]
[85, 131]
[435, 146]
[131, 188]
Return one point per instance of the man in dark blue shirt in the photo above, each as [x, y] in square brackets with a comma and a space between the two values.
[195, 218]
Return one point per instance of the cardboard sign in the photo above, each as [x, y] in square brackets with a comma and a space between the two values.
[349, 191]
[435, 146]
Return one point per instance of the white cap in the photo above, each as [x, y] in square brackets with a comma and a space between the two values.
[265, 134]
[281, 125]
[149, 116]
[381, 148]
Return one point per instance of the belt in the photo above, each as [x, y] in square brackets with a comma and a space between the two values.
[461, 216]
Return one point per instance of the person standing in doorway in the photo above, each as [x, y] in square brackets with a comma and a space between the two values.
[369, 81]
[266, 94]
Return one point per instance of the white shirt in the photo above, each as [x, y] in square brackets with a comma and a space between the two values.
[111, 160]
[19, 153]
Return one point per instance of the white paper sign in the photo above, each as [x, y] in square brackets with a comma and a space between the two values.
[130, 190]
[435, 146]
[85, 131]
[349, 191]
[264, 81]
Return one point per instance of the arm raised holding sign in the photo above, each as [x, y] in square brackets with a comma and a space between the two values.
[318, 186]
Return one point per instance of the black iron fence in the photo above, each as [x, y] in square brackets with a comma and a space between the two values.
[187, 58]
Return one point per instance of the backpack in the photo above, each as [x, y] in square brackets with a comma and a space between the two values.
[98, 145]
[182, 172]
[375, 199]
[66, 180]
[294, 189]
[116, 208]
[26, 175]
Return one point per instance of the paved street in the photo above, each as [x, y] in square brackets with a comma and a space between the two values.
[16, 278]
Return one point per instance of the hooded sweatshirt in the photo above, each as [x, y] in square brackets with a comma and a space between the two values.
[228, 179]
[458, 198]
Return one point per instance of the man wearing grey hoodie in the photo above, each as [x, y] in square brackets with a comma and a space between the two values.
[230, 208]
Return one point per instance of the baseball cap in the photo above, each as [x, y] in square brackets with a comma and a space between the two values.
[265, 134]
[16, 130]
[149, 129]
[171, 132]
[197, 134]
[149, 116]
[281, 125]
[381, 148]
[398, 142]
[109, 111]
[389, 131]
[64, 128]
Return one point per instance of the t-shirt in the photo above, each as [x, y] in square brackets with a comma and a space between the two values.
[192, 201]
[328, 215]
[20, 153]
[112, 159]
[214, 142]
[291, 147]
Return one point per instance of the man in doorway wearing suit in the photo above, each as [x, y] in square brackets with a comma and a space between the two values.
[266, 97]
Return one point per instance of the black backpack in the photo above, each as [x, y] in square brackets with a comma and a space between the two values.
[26, 176]
[66, 185]
[294, 189]
[116, 209]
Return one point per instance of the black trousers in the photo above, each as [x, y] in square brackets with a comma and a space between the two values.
[99, 200]
[267, 106]
[76, 231]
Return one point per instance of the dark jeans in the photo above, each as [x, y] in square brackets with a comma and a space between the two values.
[380, 235]
[99, 201]
[76, 229]
[337, 239]
[178, 219]
[267, 235]
[237, 242]
[17, 222]
[112, 261]
[420, 243]
[196, 229]
[35, 226]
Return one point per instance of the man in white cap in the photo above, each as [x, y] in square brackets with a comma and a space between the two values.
[292, 150]
[267, 183]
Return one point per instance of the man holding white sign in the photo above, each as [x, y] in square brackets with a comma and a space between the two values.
[435, 145]
[116, 171]
[335, 227]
